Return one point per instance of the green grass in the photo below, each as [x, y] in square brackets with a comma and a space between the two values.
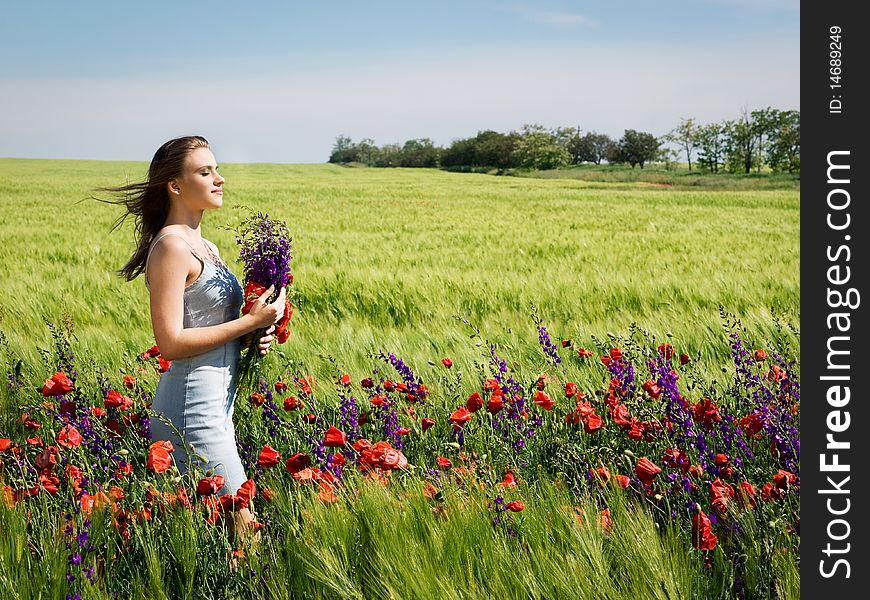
[387, 257]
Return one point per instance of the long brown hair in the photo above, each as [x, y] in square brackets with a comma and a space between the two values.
[148, 201]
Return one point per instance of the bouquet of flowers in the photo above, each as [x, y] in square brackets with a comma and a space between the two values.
[265, 250]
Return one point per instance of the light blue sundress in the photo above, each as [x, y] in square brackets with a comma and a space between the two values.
[197, 393]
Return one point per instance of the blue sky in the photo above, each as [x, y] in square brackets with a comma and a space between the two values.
[278, 81]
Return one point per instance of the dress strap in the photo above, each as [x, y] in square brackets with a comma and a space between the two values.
[154, 243]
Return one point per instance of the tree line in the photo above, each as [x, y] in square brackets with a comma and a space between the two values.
[758, 139]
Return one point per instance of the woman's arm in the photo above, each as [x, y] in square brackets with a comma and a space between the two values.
[168, 269]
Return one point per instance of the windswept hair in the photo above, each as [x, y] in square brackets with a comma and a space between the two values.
[148, 201]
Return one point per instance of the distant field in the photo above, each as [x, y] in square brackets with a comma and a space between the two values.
[387, 257]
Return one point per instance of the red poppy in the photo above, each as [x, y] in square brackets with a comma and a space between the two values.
[5, 444]
[570, 389]
[746, 494]
[361, 444]
[269, 457]
[335, 438]
[566, 343]
[306, 385]
[150, 353]
[635, 430]
[280, 387]
[69, 437]
[291, 403]
[57, 385]
[543, 400]
[404, 430]
[652, 388]
[495, 403]
[759, 355]
[702, 532]
[426, 423]
[460, 416]
[210, 485]
[516, 506]
[706, 413]
[508, 480]
[282, 329]
[620, 416]
[129, 382]
[345, 380]
[114, 399]
[247, 491]
[446, 362]
[684, 358]
[232, 503]
[592, 423]
[647, 470]
[367, 383]
[721, 495]
[297, 462]
[667, 350]
[29, 423]
[159, 456]
[389, 385]
[338, 459]
[752, 423]
[49, 483]
[443, 462]
[163, 365]
[474, 403]
[257, 399]
[253, 290]
[34, 441]
[782, 479]
[584, 353]
[604, 520]
[622, 481]
[490, 385]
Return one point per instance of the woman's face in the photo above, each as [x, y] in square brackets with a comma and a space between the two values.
[199, 185]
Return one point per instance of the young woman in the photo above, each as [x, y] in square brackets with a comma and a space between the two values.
[195, 303]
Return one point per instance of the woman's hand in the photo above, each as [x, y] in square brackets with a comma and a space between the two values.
[265, 314]
[266, 341]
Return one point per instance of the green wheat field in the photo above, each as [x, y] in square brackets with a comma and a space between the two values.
[412, 262]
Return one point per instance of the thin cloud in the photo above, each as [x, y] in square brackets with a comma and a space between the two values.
[549, 18]
[559, 19]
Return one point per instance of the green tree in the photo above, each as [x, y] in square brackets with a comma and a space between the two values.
[784, 147]
[592, 147]
[460, 153]
[342, 150]
[494, 149]
[637, 148]
[389, 155]
[537, 148]
[419, 153]
[711, 146]
[685, 135]
[764, 125]
[740, 140]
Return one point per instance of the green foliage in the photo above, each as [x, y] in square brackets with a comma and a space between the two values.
[637, 148]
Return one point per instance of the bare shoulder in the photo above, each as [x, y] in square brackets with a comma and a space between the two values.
[168, 245]
[170, 256]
